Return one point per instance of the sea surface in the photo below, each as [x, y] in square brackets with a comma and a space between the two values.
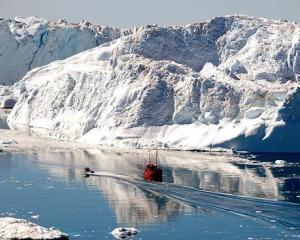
[202, 196]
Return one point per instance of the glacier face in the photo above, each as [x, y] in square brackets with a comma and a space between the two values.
[27, 43]
[231, 82]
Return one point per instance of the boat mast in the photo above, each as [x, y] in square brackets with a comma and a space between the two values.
[156, 157]
[149, 161]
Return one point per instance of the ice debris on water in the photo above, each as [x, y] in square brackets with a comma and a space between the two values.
[13, 228]
[35, 217]
[280, 163]
[124, 233]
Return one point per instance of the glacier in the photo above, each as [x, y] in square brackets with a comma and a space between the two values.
[231, 82]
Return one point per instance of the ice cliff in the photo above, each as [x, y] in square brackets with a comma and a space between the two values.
[27, 43]
[231, 82]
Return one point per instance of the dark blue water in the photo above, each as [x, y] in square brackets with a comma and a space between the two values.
[242, 199]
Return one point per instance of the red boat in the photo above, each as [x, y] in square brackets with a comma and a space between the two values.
[152, 171]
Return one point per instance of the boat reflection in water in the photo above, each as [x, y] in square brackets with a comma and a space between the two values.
[135, 202]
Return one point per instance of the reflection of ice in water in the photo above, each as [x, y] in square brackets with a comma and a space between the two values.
[134, 205]
[210, 172]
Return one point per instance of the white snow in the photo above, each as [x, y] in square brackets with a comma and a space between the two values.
[12, 228]
[230, 82]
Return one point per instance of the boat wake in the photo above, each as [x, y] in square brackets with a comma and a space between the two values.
[271, 211]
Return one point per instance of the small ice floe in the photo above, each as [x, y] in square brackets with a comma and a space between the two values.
[13, 228]
[35, 217]
[280, 163]
[124, 233]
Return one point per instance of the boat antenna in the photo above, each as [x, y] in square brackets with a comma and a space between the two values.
[156, 158]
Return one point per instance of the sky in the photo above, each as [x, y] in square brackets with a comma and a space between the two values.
[129, 13]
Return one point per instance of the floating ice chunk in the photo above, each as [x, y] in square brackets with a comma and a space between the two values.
[35, 217]
[12, 228]
[280, 162]
[124, 233]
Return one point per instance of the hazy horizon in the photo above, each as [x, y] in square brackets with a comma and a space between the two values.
[137, 13]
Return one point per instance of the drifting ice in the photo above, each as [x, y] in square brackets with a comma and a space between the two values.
[124, 233]
[12, 228]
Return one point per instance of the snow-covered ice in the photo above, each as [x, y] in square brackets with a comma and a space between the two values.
[231, 82]
[13, 228]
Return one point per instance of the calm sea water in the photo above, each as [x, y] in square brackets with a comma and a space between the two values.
[203, 196]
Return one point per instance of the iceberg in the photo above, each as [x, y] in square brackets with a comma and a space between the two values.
[230, 83]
